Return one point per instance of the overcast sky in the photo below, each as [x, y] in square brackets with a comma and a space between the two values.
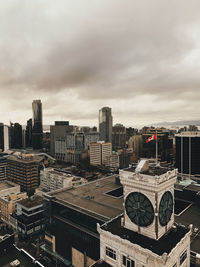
[141, 58]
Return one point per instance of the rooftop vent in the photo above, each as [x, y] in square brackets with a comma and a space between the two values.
[142, 166]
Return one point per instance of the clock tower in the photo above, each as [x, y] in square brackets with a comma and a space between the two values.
[148, 199]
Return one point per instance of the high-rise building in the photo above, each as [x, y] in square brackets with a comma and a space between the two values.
[118, 137]
[4, 137]
[16, 138]
[99, 153]
[58, 134]
[188, 152]
[29, 133]
[37, 132]
[105, 124]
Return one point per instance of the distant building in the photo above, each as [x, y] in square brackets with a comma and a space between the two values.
[29, 133]
[105, 124]
[112, 162]
[3, 167]
[24, 170]
[37, 131]
[8, 204]
[188, 153]
[53, 179]
[16, 136]
[99, 152]
[118, 137]
[58, 134]
[4, 137]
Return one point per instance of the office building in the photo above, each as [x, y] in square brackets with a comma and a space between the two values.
[24, 170]
[118, 137]
[99, 152]
[37, 131]
[8, 204]
[105, 124]
[112, 161]
[54, 179]
[4, 137]
[188, 153]
[15, 136]
[58, 134]
[29, 133]
[3, 167]
[145, 235]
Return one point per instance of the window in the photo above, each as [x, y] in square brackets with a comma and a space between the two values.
[183, 257]
[127, 262]
[111, 253]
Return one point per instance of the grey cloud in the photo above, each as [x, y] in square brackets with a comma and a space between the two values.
[100, 50]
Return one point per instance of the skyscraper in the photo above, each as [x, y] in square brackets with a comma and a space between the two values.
[105, 124]
[37, 124]
[4, 137]
[29, 133]
[15, 135]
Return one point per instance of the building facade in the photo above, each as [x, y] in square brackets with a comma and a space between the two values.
[118, 137]
[188, 153]
[24, 171]
[105, 124]
[8, 205]
[99, 153]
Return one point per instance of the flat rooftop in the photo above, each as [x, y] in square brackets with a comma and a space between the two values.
[165, 244]
[25, 160]
[6, 185]
[32, 201]
[152, 171]
[92, 198]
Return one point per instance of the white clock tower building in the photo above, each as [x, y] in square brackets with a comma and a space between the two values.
[145, 234]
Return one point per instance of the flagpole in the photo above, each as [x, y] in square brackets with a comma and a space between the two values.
[156, 148]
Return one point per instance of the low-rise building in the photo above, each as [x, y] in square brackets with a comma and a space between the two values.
[29, 216]
[7, 188]
[8, 204]
[53, 179]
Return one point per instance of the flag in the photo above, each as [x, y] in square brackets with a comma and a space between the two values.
[153, 137]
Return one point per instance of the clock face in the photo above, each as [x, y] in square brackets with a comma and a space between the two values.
[166, 208]
[139, 209]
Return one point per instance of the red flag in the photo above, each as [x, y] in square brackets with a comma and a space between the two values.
[153, 137]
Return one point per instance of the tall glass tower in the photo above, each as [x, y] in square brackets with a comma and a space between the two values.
[105, 124]
[37, 131]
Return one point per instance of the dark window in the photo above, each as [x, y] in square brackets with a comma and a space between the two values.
[183, 257]
[127, 262]
[111, 253]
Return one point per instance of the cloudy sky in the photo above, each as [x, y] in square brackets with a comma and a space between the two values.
[142, 58]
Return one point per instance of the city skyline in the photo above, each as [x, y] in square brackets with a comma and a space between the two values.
[78, 57]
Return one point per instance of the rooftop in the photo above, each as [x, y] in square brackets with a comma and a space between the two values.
[6, 185]
[32, 201]
[165, 244]
[25, 159]
[92, 198]
[152, 170]
[101, 264]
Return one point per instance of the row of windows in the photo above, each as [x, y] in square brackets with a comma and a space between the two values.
[127, 262]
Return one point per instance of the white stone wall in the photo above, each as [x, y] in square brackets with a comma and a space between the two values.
[141, 256]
